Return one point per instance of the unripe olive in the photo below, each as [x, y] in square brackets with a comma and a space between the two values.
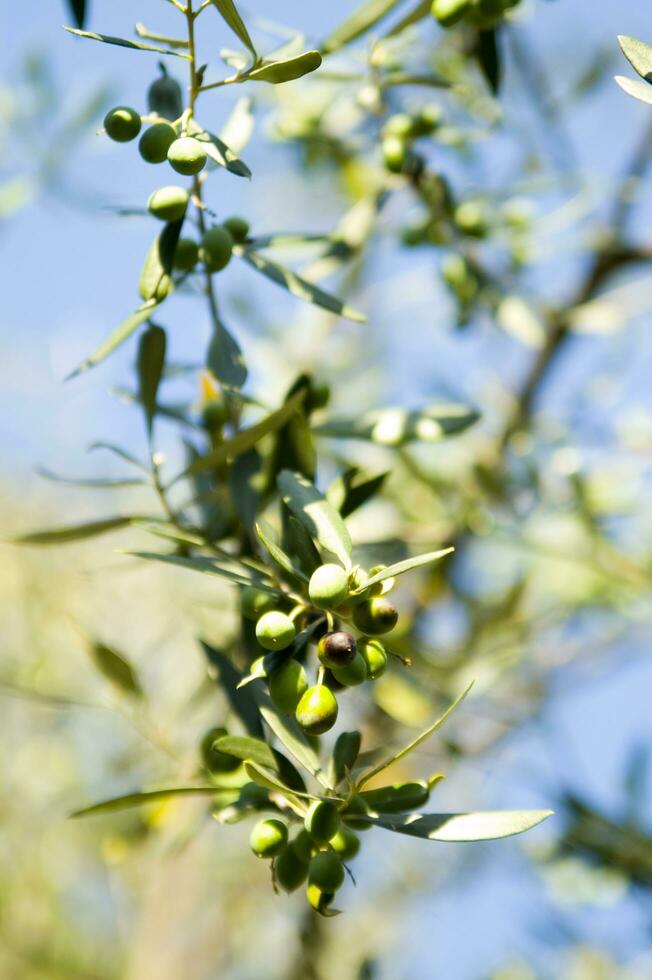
[448, 12]
[269, 838]
[353, 674]
[254, 796]
[394, 153]
[326, 871]
[237, 227]
[374, 656]
[275, 630]
[122, 124]
[426, 120]
[290, 870]
[254, 602]
[187, 156]
[287, 685]
[375, 616]
[168, 203]
[303, 845]
[164, 96]
[358, 581]
[319, 899]
[472, 219]
[216, 248]
[399, 125]
[155, 142]
[380, 588]
[328, 586]
[214, 414]
[398, 798]
[355, 812]
[214, 760]
[322, 820]
[336, 649]
[186, 255]
[317, 710]
[345, 843]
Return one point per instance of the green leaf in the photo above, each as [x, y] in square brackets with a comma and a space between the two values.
[490, 825]
[107, 39]
[156, 276]
[239, 127]
[151, 359]
[277, 72]
[292, 736]
[398, 426]
[117, 669]
[247, 749]
[345, 752]
[225, 358]
[301, 287]
[142, 797]
[229, 12]
[78, 10]
[639, 55]
[294, 445]
[243, 488]
[120, 453]
[405, 566]
[488, 56]
[99, 484]
[352, 489]
[268, 778]
[228, 676]
[172, 42]
[419, 12]
[316, 514]
[118, 337]
[218, 151]
[362, 20]
[278, 555]
[208, 566]
[637, 89]
[76, 532]
[300, 545]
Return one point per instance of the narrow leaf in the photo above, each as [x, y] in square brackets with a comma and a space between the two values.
[151, 359]
[277, 72]
[293, 738]
[239, 127]
[278, 555]
[208, 566]
[76, 532]
[118, 337]
[405, 566]
[247, 749]
[99, 483]
[156, 276]
[362, 20]
[117, 669]
[352, 489]
[636, 88]
[639, 55]
[142, 797]
[229, 12]
[225, 359]
[242, 701]
[489, 58]
[172, 42]
[267, 778]
[490, 825]
[107, 39]
[219, 152]
[78, 10]
[398, 426]
[345, 753]
[317, 515]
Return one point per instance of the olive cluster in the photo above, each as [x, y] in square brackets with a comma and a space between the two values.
[399, 133]
[479, 13]
[345, 661]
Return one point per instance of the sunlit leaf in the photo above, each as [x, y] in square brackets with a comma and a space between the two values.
[358, 23]
[239, 127]
[171, 42]
[636, 88]
[118, 337]
[317, 515]
[142, 797]
[292, 736]
[639, 55]
[392, 571]
[278, 555]
[268, 778]
[229, 12]
[123, 43]
[208, 566]
[398, 426]
[490, 825]
[278, 72]
[218, 151]
[116, 668]
[245, 748]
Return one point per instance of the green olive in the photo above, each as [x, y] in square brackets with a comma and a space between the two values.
[355, 812]
[254, 602]
[399, 125]
[216, 248]
[380, 588]
[345, 843]
[187, 156]
[168, 203]
[328, 586]
[319, 899]
[322, 820]
[287, 685]
[426, 120]
[303, 845]
[122, 124]
[214, 760]
[398, 798]
[353, 674]
[237, 227]
[449, 12]
[326, 871]
[269, 838]
[471, 218]
[317, 710]
[186, 255]
[336, 649]
[275, 630]
[374, 656]
[289, 870]
[375, 616]
[155, 142]
[395, 153]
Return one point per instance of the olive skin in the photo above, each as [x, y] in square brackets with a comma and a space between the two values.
[287, 685]
[237, 227]
[289, 870]
[448, 12]
[216, 248]
[326, 871]
[398, 798]
[275, 630]
[317, 710]
[328, 586]
[394, 154]
[122, 124]
[354, 813]
[303, 845]
[187, 156]
[374, 656]
[254, 602]
[322, 821]
[155, 142]
[186, 255]
[375, 616]
[336, 649]
[214, 760]
[345, 843]
[353, 674]
[269, 838]
[472, 219]
[168, 203]
[319, 899]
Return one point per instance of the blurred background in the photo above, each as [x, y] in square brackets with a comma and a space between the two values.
[547, 603]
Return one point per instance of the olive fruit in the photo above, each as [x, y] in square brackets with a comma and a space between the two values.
[355, 812]
[394, 153]
[317, 710]
[345, 843]
[375, 616]
[322, 821]
[328, 586]
[185, 254]
[275, 630]
[289, 870]
[122, 124]
[380, 588]
[399, 797]
[155, 142]
[268, 838]
[471, 218]
[187, 156]
[426, 120]
[214, 760]
[326, 871]
[319, 899]
[287, 685]
[374, 656]
[216, 248]
[448, 12]
[336, 649]
[168, 203]
[237, 227]
[353, 674]
[164, 96]
[254, 602]
[399, 125]
[214, 414]
[303, 845]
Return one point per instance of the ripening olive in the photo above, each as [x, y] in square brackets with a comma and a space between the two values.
[237, 227]
[328, 586]
[317, 710]
[353, 674]
[375, 616]
[187, 156]
[345, 843]
[122, 124]
[394, 153]
[290, 870]
[155, 142]
[186, 255]
[269, 838]
[355, 812]
[448, 12]
[216, 248]
[214, 760]
[319, 899]
[374, 656]
[275, 630]
[254, 602]
[336, 649]
[322, 820]
[326, 871]
[168, 203]
[287, 685]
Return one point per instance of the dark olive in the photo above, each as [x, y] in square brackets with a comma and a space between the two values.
[336, 649]
[375, 616]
